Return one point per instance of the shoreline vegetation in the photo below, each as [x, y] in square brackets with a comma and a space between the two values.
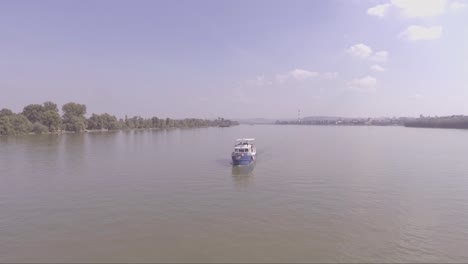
[46, 119]
[454, 121]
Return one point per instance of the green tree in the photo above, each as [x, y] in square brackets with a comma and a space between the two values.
[73, 117]
[103, 121]
[39, 128]
[110, 122]
[74, 109]
[47, 114]
[130, 123]
[140, 121]
[20, 124]
[155, 122]
[95, 122]
[33, 112]
[122, 124]
[5, 112]
[168, 122]
[76, 124]
[52, 120]
[15, 124]
[50, 106]
[6, 128]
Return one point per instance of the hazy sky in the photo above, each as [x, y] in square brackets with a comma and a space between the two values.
[237, 59]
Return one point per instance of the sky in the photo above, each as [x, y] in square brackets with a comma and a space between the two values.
[237, 59]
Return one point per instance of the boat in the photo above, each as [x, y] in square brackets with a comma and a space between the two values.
[244, 152]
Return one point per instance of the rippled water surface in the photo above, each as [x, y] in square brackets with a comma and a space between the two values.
[315, 194]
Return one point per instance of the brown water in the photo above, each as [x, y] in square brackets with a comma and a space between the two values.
[315, 194]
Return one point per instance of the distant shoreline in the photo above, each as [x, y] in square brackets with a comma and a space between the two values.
[449, 122]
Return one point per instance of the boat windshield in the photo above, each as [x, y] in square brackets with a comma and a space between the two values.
[242, 150]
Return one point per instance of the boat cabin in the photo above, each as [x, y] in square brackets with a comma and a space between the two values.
[244, 146]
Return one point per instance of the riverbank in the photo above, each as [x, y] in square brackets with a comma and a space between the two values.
[106, 131]
[46, 119]
[453, 122]
[448, 122]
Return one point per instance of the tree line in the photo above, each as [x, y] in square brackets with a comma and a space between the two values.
[455, 121]
[46, 118]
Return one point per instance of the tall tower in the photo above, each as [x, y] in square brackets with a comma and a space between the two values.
[299, 120]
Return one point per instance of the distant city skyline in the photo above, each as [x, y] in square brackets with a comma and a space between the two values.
[237, 59]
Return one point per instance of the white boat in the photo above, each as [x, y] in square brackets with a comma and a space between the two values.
[244, 152]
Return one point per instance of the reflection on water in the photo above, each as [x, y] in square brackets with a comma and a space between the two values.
[242, 175]
[243, 170]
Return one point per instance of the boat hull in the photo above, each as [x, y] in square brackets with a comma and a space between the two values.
[242, 160]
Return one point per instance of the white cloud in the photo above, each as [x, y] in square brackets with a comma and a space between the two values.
[300, 74]
[360, 51]
[364, 84]
[455, 6]
[377, 68]
[363, 51]
[420, 8]
[379, 10]
[293, 75]
[330, 75]
[422, 33]
[367, 81]
[296, 74]
[416, 8]
[380, 56]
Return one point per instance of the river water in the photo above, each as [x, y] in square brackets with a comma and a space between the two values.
[315, 194]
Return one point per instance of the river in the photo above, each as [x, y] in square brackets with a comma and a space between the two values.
[314, 194]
